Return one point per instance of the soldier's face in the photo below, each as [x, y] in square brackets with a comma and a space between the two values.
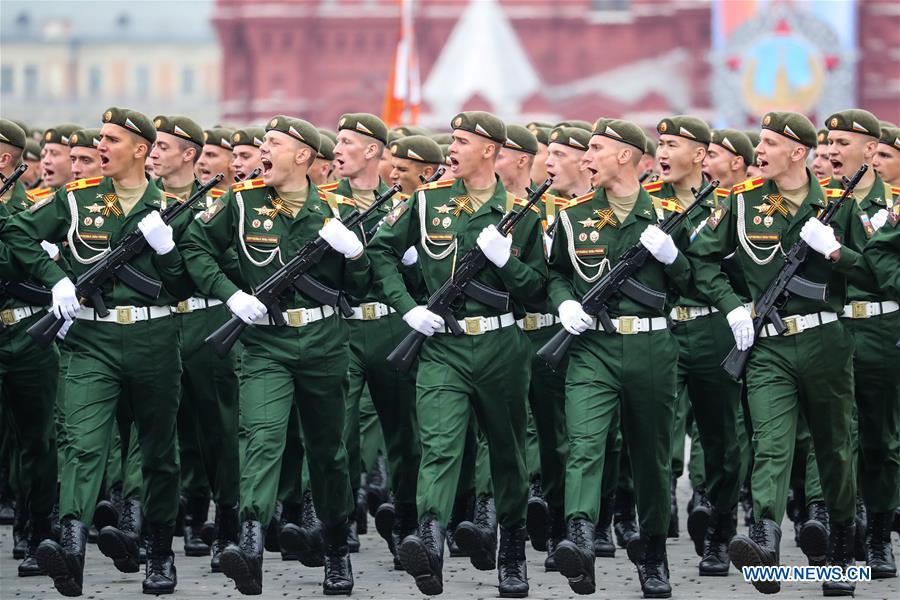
[85, 162]
[119, 149]
[319, 171]
[847, 151]
[821, 166]
[32, 174]
[774, 154]
[55, 167]
[887, 163]
[678, 158]
[213, 160]
[406, 172]
[719, 164]
[564, 166]
[244, 160]
[170, 154]
[384, 164]
[601, 160]
[280, 157]
[539, 165]
[468, 152]
[352, 151]
[507, 166]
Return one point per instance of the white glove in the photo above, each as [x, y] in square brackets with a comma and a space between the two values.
[424, 321]
[495, 246]
[741, 323]
[246, 307]
[65, 301]
[661, 245]
[61, 334]
[820, 237]
[341, 239]
[410, 257]
[52, 250]
[879, 219]
[157, 233]
[573, 318]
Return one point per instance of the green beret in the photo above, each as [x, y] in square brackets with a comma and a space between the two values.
[520, 139]
[218, 136]
[735, 142]
[539, 125]
[599, 125]
[419, 148]
[248, 136]
[411, 130]
[542, 134]
[32, 149]
[753, 136]
[480, 123]
[59, 134]
[571, 136]
[445, 150]
[623, 131]
[365, 124]
[300, 130]
[326, 148]
[442, 138]
[881, 122]
[85, 138]
[131, 120]
[330, 134]
[12, 134]
[179, 126]
[650, 147]
[822, 137]
[24, 126]
[686, 126]
[792, 126]
[891, 137]
[576, 123]
[854, 120]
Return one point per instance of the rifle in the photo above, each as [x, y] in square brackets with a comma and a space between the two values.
[620, 280]
[293, 274]
[253, 175]
[115, 264]
[643, 176]
[434, 177]
[787, 282]
[462, 282]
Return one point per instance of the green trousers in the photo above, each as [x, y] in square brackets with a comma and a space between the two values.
[371, 437]
[28, 390]
[290, 486]
[633, 375]
[132, 368]
[809, 372]
[59, 410]
[393, 395]
[282, 367]
[488, 373]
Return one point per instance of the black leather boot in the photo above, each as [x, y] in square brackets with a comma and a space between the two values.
[243, 563]
[557, 535]
[122, 543]
[304, 540]
[290, 516]
[194, 518]
[108, 511]
[403, 523]
[21, 529]
[840, 555]
[338, 570]
[715, 551]
[463, 510]
[653, 568]
[604, 547]
[228, 527]
[512, 572]
[478, 538]
[64, 561]
[698, 519]
[422, 555]
[625, 523]
[161, 576]
[537, 520]
[378, 485]
[813, 538]
[673, 519]
[575, 556]
[384, 523]
[38, 532]
[758, 549]
[862, 523]
[274, 526]
[879, 554]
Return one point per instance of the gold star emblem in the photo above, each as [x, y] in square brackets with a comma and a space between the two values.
[588, 223]
[264, 211]
[94, 208]
[443, 209]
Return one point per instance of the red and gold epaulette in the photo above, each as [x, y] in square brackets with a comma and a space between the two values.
[671, 205]
[722, 192]
[523, 202]
[250, 184]
[170, 196]
[324, 195]
[746, 186]
[895, 190]
[329, 187]
[80, 184]
[216, 193]
[557, 200]
[833, 192]
[579, 200]
[39, 194]
[401, 197]
[825, 181]
[434, 185]
[653, 186]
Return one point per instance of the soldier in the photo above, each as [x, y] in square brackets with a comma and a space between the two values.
[727, 157]
[83, 153]
[245, 144]
[488, 369]
[753, 169]
[130, 356]
[266, 220]
[873, 320]
[28, 374]
[820, 165]
[882, 254]
[56, 169]
[215, 157]
[515, 159]
[648, 162]
[323, 166]
[808, 367]
[539, 166]
[887, 158]
[31, 178]
[412, 158]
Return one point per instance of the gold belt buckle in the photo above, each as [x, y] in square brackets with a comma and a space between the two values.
[125, 315]
[792, 326]
[369, 311]
[8, 317]
[627, 325]
[859, 309]
[530, 322]
[182, 307]
[296, 317]
[473, 326]
[682, 313]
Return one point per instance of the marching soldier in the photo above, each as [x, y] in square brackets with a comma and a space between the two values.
[245, 145]
[266, 221]
[56, 168]
[727, 157]
[821, 165]
[215, 157]
[83, 153]
[887, 158]
[323, 166]
[31, 178]
[413, 157]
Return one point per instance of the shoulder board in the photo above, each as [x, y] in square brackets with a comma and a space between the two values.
[38, 194]
[825, 181]
[547, 198]
[653, 186]
[329, 187]
[442, 183]
[523, 202]
[722, 192]
[671, 205]
[40, 204]
[170, 195]
[895, 190]
[80, 184]
[833, 192]
[579, 200]
[326, 196]
[214, 209]
[401, 197]
[214, 193]
[746, 186]
[251, 184]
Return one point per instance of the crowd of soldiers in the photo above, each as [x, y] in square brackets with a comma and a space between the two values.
[128, 429]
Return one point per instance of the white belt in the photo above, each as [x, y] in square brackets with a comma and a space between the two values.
[535, 321]
[689, 313]
[799, 323]
[298, 317]
[479, 325]
[125, 315]
[370, 311]
[864, 310]
[630, 325]
[192, 304]
[11, 316]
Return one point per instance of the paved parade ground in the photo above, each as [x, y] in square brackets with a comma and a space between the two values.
[372, 569]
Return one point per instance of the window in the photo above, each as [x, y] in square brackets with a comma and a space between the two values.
[6, 79]
[187, 81]
[95, 81]
[31, 81]
[142, 80]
